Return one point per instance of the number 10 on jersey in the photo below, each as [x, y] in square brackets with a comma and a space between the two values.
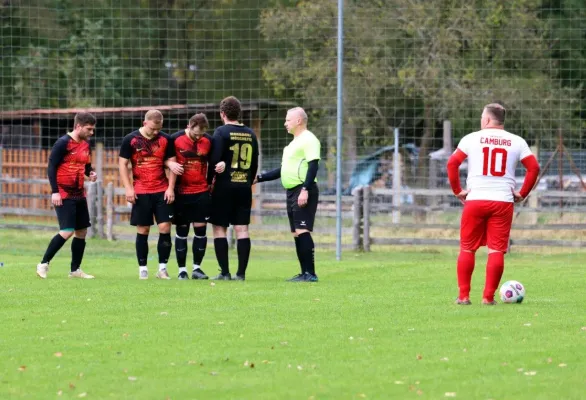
[495, 161]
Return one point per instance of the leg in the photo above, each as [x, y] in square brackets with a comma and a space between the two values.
[472, 236]
[221, 249]
[78, 242]
[164, 249]
[66, 214]
[77, 249]
[141, 216]
[498, 234]
[181, 233]
[243, 249]
[200, 243]
[302, 220]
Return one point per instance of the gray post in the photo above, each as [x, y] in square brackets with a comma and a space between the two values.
[357, 220]
[366, 196]
[339, 127]
[100, 209]
[396, 214]
[110, 211]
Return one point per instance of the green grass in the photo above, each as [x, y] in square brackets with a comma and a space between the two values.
[381, 325]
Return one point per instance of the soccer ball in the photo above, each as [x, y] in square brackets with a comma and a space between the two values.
[512, 292]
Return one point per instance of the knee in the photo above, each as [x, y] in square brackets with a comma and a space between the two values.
[165, 227]
[66, 234]
[219, 231]
[81, 233]
[199, 231]
[182, 231]
[241, 231]
[143, 230]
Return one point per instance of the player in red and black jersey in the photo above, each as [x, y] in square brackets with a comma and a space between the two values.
[146, 150]
[237, 146]
[69, 161]
[192, 204]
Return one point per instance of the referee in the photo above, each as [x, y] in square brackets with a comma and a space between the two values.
[297, 172]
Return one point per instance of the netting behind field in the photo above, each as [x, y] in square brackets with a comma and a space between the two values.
[425, 68]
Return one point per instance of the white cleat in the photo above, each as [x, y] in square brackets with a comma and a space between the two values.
[163, 274]
[143, 274]
[80, 274]
[42, 269]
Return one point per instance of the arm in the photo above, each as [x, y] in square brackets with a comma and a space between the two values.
[170, 192]
[55, 158]
[453, 167]
[530, 163]
[254, 163]
[217, 149]
[123, 164]
[312, 167]
[269, 176]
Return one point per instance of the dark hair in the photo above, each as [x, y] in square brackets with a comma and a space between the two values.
[497, 112]
[199, 120]
[84, 118]
[231, 107]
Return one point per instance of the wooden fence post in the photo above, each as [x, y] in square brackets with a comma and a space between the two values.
[357, 220]
[100, 209]
[366, 198]
[91, 204]
[109, 211]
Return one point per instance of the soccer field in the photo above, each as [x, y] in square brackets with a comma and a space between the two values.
[380, 325]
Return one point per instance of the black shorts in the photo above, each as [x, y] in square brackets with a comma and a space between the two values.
[73, 214]
[191, 208]
[150, 204]
[231, 205]
[302, 217]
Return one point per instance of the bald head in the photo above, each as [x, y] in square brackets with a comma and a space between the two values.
[296, 120]
[152, 124]
[153, 115]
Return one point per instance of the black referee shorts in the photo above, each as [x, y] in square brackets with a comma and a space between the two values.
[73, 214]
[149, 205]
[302, 217]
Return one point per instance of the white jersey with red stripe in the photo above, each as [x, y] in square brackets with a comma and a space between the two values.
[493, 155]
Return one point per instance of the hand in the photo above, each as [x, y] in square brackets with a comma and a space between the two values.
[220, 167]
[462, 195]
[175, 167]
[302, 199]
[56, 199]
[130, 196]
[93, 176]
[517, 196]
[169, 195]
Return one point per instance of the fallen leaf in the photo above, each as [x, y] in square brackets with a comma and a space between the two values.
[399, 382]
[164, 313]
[505, 364]
[220, 322]
[371, 329]
[213, 373]
[59, 393]
[212, 284]
[64, 321]
[584, 328]
[351, 338]
[71, 386]
[419, 356]
[562, 365]
[58, 354]
[22, 368]
[520, 370]
[315, 299]
[299, 367]
[82, 394]
[530, 373]
[417, 382]
[246, 363]
[450, 394]
[89, 299]
[251, 365]
[81, 374]
[125, 335]
[132, 378]
[465, 350]
[288, 365]
[445, 359]
[419, 392]
[284, 343]
[191, 362]
[527, 324]
[549, 360]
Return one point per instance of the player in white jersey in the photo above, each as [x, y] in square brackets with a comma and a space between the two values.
[489, 198]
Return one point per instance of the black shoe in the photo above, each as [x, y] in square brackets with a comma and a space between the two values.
[183, 276]
[238, 278]
[222, 277]
[297, 278]
[311, 277]
[198, 274]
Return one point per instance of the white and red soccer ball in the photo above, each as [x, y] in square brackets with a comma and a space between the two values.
[512, 292]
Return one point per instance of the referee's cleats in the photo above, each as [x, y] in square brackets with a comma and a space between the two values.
[310, 277]
[297, 278]
[222, 277]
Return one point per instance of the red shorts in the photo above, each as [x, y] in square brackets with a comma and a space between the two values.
[486, 223]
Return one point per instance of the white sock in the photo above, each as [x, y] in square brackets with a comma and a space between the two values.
[182, 269]
[195, 266]
[162, 266]
[141, 268]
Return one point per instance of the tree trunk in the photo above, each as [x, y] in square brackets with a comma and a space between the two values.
[422, 178]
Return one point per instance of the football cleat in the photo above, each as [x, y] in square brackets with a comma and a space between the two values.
[183, 275]
[42, 269]
[463, 302]
[163, 274]
[222, 277]
[80, 274]
[198, 274]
